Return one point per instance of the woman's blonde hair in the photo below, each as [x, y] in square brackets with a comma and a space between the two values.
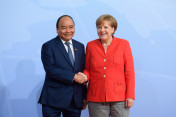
[112, 21]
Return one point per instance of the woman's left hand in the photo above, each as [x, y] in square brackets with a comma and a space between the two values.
[129, 102]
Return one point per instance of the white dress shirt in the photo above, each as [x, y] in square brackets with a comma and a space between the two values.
[71, 47]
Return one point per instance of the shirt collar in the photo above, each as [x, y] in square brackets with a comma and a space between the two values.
[70, 41]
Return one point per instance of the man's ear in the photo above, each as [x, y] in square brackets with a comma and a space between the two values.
[57, 30]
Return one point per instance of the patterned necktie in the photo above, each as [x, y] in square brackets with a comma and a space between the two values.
[70, 53]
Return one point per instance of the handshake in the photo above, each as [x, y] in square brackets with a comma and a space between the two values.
[80, 78]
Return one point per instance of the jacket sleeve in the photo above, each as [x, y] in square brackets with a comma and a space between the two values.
[51, 70]
[87, 62]
[84, 86]
[129, 72]
[84, 92]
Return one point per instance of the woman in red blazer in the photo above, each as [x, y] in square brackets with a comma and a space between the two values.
[110, 70]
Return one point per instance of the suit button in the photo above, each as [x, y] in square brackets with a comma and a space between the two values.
[104, 76]
[104, 67]
[104, 60]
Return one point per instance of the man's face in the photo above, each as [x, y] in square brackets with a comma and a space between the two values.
[66, 28]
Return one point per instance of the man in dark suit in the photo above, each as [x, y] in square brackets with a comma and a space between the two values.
[63, 58]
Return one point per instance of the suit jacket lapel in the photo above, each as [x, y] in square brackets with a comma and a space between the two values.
[62, 49]
[76, 52]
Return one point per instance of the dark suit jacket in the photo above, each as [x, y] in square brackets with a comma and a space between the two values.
[59, 88]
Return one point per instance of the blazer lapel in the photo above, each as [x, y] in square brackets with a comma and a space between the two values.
[76, 52]
[62, 49]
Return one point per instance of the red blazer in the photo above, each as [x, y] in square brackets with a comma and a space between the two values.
[111, 75]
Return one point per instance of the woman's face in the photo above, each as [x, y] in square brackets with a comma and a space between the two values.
[105, 31]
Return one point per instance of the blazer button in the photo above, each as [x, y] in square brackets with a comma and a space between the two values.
[104, 67]
[104, 76]
[104, 60]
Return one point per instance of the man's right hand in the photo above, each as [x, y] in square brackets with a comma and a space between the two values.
[80, 78]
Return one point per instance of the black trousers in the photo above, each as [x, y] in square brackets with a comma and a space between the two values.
[71, 111]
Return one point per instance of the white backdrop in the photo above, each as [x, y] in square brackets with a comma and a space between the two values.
[149, 26]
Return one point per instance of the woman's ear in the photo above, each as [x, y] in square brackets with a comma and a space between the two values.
[112, 31]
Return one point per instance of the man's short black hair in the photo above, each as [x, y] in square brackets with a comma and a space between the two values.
[58, 20]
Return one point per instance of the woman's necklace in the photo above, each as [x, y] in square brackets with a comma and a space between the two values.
[106, 45]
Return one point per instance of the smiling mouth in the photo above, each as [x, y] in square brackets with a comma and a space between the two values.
[102, 34]
[68, 35]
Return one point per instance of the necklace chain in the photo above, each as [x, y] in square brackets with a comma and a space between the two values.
[105, 45]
